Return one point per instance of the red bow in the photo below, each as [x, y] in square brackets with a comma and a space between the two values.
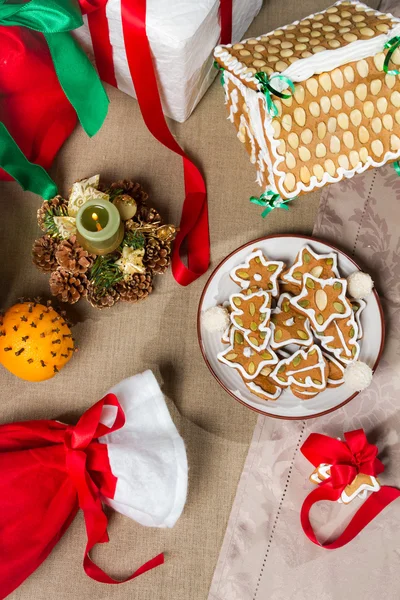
[347, 459]
[194, 221]
[84, 456]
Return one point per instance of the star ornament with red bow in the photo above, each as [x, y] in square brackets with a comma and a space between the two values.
[344, 470]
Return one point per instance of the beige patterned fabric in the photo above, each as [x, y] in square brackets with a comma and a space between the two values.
[265, 552]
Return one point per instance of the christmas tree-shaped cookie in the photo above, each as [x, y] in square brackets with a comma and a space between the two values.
[288, 326]
[251, 314]
[340, 338]
[305, 372]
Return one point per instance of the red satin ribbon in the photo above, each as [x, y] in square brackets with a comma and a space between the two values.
[194, 220]
[83, 452]
[354, 455]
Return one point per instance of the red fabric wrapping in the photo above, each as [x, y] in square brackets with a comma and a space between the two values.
[194, 220]
[354, 455]
[48, 471]
[33, 105]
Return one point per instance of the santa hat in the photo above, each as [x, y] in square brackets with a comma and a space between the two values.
[124, 451]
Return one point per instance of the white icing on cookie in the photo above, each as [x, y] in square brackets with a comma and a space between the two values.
[308, 382]
[357, 315]
[253, 387]
[288, 277]
[334, 382]
[235, 365]
[298, 341]
[345, 352]
[312, 313]
[265, 263]
[263, 326]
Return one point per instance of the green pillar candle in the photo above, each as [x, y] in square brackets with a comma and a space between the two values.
[99, 227]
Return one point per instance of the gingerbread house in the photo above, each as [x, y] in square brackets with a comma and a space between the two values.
[340, 113]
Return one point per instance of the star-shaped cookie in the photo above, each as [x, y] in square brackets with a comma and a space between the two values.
[257, 272]
[323, 266]
[251, 314]
[322, 300]
[241, 356]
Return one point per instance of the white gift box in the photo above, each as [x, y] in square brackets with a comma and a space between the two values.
[182, 35]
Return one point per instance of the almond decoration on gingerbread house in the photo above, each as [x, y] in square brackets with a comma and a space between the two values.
[317, 100]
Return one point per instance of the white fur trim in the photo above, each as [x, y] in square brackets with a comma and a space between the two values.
[357, 376]
[216, 318]
[359, 285]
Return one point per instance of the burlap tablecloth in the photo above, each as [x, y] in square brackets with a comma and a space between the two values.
[159, 334]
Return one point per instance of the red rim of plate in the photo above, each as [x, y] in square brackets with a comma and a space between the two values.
[264, 412]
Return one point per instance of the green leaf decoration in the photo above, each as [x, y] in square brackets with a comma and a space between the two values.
[133, 239]
[104, 273]
[48, 221]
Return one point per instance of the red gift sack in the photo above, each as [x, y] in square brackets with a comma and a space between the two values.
[33, 105]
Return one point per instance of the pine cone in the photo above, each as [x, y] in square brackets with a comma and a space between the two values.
[43, 253]
[157, 255]
[101, 298]
[72, 257]
[67, 287]
[131, 188]
[58, 205]
[137, 288]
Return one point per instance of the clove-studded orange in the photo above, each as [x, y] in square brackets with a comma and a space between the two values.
[35, 341]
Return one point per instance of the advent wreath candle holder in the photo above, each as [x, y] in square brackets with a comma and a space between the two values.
[103, 243]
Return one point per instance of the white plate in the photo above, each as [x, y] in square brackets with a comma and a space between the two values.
[217, 291]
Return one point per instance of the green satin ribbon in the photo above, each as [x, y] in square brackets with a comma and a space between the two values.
[269, 91]
[221, 70]
[77, 76]
[271, 201]
[391, 45]
[30, 176]
[396, 166]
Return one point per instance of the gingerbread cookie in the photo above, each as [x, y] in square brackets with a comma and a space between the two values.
[241, 356]
[335, 371]
[305, 372]
[288, 326]
[340, 338]
[251, 314]
[263, 386]
[360, 486]
[358, 307]
[323, 301]
[257, 272]
[322, 266]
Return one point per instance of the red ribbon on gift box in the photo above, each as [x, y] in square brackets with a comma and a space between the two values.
[347, 458]
[194, 221]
